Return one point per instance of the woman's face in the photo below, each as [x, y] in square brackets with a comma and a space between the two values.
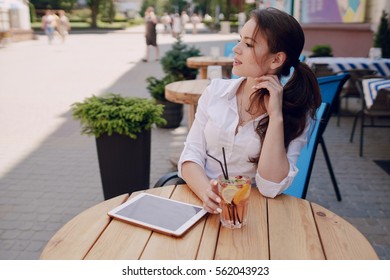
[252, 57]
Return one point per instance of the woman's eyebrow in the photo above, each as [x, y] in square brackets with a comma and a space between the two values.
[249, 38]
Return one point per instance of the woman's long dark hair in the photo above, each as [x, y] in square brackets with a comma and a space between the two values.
[301, 94]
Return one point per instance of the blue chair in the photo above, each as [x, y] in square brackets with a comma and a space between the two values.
[308, 153]
[228, 49]
[330, 88]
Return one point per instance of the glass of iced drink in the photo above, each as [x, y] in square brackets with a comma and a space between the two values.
[234, 193]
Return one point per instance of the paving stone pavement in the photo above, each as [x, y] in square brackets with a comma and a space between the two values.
[49, 172]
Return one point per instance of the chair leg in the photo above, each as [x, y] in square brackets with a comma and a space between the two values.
[361, 136]
[353, 127]
[330, 168]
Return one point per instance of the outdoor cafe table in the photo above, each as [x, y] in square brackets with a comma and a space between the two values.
[186, 92]
[202, 62]
[285, 227]
[337, 64]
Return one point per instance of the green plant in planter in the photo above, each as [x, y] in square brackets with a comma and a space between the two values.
[156, 87]
[173, 112]
[382, 36]
[174, 62]
[321, 50]
[116, 114]
[121, 126]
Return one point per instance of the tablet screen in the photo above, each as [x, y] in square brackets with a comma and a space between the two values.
[159, 213]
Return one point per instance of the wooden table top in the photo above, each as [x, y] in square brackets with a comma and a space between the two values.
[282, 228]
[204, 61]
[186, 92]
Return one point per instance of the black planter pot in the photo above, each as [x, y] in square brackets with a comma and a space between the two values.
[173, 113]
[124, 163]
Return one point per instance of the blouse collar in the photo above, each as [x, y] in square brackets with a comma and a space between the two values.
[233, 87]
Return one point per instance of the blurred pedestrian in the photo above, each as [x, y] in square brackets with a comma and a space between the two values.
[184, 19]
[195, 20]
[63, 25]
[176, 25]
[48, 25]
[150, 33]
[166, 21]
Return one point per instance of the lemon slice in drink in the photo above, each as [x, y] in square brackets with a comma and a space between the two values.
[242, 194]
[228, 193]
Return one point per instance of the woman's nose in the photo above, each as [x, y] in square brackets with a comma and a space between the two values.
[236, 48]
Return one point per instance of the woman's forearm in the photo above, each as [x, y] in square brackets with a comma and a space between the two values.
[196, 179]
[273, 163]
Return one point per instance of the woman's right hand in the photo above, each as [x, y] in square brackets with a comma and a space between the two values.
[211, 198]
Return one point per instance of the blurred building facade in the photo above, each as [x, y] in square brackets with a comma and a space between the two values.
[15, 20]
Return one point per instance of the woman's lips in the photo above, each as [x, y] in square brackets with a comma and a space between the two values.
[236, 62]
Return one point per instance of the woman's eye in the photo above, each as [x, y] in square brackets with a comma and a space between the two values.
[246, 44]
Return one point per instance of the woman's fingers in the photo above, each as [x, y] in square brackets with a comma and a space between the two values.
[212, 200]
[270, 82]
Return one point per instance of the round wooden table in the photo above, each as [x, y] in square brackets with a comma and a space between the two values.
[186, 92]
[283, 228]
[202, 62]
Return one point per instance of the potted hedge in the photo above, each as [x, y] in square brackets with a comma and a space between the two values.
[321, 51]
[122, 128]
[382, 36]
[173, 112]
[174, 64]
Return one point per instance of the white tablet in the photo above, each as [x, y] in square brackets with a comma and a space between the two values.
[159, 214]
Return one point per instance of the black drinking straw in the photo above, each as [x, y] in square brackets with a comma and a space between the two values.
[220, 163]
[224, 160]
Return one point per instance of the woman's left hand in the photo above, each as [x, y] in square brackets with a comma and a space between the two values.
[273, 101]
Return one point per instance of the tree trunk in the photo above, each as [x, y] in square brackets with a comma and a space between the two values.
[94, 6]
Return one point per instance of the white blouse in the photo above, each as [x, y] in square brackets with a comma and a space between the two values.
[214, 127]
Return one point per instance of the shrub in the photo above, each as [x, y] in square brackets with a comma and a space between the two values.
[116, 114]
[382, 36]
[321, 50]
[174, 62]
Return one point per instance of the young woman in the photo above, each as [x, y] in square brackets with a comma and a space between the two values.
[261, 124]
[151, 33]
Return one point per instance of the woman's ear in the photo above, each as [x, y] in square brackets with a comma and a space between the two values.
[279, 59]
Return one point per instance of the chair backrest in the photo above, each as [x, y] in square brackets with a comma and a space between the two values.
[381, 101]
[330, 87]
[350, 88]
[306, 158]
[228, 51]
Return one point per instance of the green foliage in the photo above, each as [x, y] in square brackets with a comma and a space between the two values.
[174, 62]
[107, 11]
[321, 50]
[116, 114]
[156, 87]
[171, 6]
[382, 36]
[66, 5]
[33, 14]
